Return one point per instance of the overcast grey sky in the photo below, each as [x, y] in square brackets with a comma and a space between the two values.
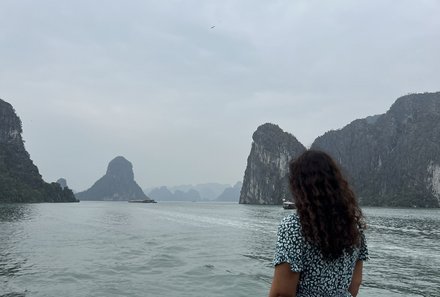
[150, 80]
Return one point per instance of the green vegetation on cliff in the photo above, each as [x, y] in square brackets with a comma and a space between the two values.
[20, 180]
[391, 159]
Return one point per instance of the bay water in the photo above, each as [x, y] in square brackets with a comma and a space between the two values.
[191, 249]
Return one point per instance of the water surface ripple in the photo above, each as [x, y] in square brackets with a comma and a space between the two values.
[190, 249]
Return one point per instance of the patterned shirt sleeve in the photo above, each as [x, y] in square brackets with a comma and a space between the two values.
[289, 247]
[363, 251]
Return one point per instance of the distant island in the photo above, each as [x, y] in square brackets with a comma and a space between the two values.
[201, 192]
[391, 159]
[117, 184]
[230, 194]
[20, 180]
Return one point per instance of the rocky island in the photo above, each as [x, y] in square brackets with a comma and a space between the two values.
[392, 159]
[20, 180]
[117, 184]
[230, 194]
[265, 179]
[62, 182]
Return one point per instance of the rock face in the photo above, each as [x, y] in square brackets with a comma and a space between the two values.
[266, 176]
[116, 185]
[231, 194]
[20, 180]
[62, 182]
[392, 159]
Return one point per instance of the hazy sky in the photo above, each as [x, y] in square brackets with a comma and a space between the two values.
[152, 81]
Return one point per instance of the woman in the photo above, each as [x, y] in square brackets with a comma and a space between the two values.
[320, 250]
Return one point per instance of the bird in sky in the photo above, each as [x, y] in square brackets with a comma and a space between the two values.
[212, 27]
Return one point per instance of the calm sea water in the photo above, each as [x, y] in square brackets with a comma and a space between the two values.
[190, 249]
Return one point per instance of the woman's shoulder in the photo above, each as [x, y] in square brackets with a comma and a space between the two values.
[291, 222]
[290, 234]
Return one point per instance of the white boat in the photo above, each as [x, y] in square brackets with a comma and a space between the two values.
[288, 205]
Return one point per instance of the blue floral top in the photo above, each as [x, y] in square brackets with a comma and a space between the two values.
[318, 277]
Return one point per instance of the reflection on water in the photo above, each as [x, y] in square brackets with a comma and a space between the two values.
[13, 295]
[190, 249]
[9, 266]
[15, 212]
[12, 263]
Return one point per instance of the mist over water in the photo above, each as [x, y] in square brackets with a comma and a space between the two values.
[190, 249]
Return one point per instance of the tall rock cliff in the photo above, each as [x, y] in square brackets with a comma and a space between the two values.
[117, 184]
[20, 180]
[392, 159]
[266, 176]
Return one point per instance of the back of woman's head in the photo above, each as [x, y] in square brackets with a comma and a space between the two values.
[329, 214]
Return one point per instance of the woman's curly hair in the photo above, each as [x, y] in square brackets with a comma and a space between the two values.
[328, 211]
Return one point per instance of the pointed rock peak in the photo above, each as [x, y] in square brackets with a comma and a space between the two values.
[62, 182]
[271, 135]
[120, 167]
[267, 129]
[117, 184]
[4, 104]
